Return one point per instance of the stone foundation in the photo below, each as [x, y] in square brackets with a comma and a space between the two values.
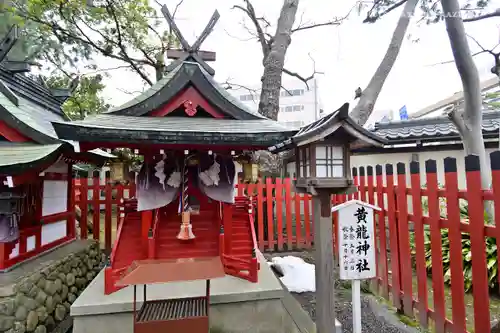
[38, 297]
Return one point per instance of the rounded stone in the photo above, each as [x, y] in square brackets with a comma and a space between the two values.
[50, 287]
[50, 323]
[73, 290]
[74, 262]
[25, 286]
[71, 298]
[80, 282]
[19, 327]
[64, 291]
[41, 329]
[66, 268]
[57, 299]
[58, 284]
[21, 313]
[25, 301]
[7, 306]
[67, 306]
[70, 279]
[62, 277]
[42, 314]
[60, 312]
[31, 321]
[49, 304]
[41, 283]
[6, 323]
[41, 297]
[33, 291]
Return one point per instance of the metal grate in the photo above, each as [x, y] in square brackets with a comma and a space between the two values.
[172, 309]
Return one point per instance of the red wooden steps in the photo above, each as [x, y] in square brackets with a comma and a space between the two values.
[206, 243]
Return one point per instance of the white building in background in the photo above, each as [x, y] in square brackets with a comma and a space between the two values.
[299, 106]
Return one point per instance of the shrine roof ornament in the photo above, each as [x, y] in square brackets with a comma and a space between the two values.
[191, 52]
[337, 125]
[186, 74]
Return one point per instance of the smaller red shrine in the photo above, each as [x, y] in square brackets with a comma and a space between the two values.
[36, 209]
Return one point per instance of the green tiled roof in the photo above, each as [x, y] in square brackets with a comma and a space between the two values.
[29, 118]
[16, 158]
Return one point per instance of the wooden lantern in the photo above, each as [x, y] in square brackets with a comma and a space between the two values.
[250, 172]
[119, 171]
[322, 153]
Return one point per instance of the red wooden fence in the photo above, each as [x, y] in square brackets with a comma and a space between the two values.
[403, 226]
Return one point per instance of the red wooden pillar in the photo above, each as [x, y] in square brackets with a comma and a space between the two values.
[227, 217]
[96, 200]
[3, 254]
[71, 203]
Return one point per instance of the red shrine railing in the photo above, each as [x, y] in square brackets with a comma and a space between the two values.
[427, 234]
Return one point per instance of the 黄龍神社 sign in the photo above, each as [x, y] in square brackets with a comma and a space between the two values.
[356, 239]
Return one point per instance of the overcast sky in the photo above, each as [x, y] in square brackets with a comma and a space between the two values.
[347, 54]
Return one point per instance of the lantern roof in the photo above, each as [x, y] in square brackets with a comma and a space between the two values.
[337, 126]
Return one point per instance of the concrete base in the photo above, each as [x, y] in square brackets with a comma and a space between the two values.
[236, 305]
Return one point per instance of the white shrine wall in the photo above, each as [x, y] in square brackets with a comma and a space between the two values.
[55, 201]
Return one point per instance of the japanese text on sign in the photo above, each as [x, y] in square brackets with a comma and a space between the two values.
[356, 241]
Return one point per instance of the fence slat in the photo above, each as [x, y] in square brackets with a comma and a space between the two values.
[404, 241]
[362, 184]
[96, 205]
[108, 227]
[436, 245]
[478, 248]
[298, 221]
[270, 215]
[307, 219]
[393, 236]
[371, 200]
[495, 181]
[288, 212]
[384, 271]
[455, 239]
[260, 215]
[279, 212]
[84, 194]
[419, 243]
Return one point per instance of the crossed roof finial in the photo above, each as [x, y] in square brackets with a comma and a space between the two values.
[192, 51]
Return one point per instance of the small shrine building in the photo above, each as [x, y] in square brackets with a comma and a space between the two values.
[36, 210]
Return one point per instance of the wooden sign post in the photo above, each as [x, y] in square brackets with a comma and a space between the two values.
[356, 249]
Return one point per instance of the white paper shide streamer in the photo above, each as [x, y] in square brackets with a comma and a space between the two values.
[210, 177]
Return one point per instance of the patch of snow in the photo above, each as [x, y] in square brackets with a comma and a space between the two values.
[298, 276]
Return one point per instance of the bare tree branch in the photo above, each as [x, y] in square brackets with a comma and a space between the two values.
[371, 19]
[495, 13]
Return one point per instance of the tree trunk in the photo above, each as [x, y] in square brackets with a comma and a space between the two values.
[469, 120]
[274, 61]
[369, 96]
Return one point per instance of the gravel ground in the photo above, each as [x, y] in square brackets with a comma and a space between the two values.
[376, 318]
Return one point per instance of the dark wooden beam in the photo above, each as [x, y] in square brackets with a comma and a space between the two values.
[178, 54]
[170, 20]
[8, 42]
[207, 31]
